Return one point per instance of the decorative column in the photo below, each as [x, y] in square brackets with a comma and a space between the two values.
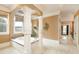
[40, 34]
[27, 30]
[59, 28]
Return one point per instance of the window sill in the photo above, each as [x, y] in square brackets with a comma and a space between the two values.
[17, 32]
[4, 33]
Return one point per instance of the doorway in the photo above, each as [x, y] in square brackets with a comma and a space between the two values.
[64, 33]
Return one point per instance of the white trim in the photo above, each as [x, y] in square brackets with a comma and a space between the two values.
[19, 14]
[59, 28]
[35, 17]
[13, 25]
[75, 33]
[51, 14]
[8, 24]
[27, 30]
[40, 28]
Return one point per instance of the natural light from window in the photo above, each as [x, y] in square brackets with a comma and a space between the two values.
[4, 25]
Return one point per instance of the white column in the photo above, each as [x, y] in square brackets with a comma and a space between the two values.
[40, 33]
[27, 30]
[59, 28]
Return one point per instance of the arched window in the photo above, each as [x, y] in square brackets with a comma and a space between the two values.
[3, 25]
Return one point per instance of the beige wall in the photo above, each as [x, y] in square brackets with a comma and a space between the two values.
[52, 32]
[34, 22]
[4, 38]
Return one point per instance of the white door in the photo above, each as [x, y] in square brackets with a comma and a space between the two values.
[76, 31]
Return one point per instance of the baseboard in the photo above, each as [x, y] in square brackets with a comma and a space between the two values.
[5, 44]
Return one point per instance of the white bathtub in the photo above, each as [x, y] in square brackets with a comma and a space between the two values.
[20, 40]
[46, 42]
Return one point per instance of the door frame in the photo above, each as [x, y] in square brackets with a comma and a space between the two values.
[77, 28]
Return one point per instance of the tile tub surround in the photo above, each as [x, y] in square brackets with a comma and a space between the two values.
[20, 40]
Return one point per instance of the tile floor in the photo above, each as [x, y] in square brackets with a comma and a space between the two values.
[56, 49]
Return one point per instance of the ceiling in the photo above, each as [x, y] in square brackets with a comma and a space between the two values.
[64, 9]
[7, 7]
[48, 8]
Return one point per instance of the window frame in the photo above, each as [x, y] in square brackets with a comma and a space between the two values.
[14, 31]
[7, 25]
